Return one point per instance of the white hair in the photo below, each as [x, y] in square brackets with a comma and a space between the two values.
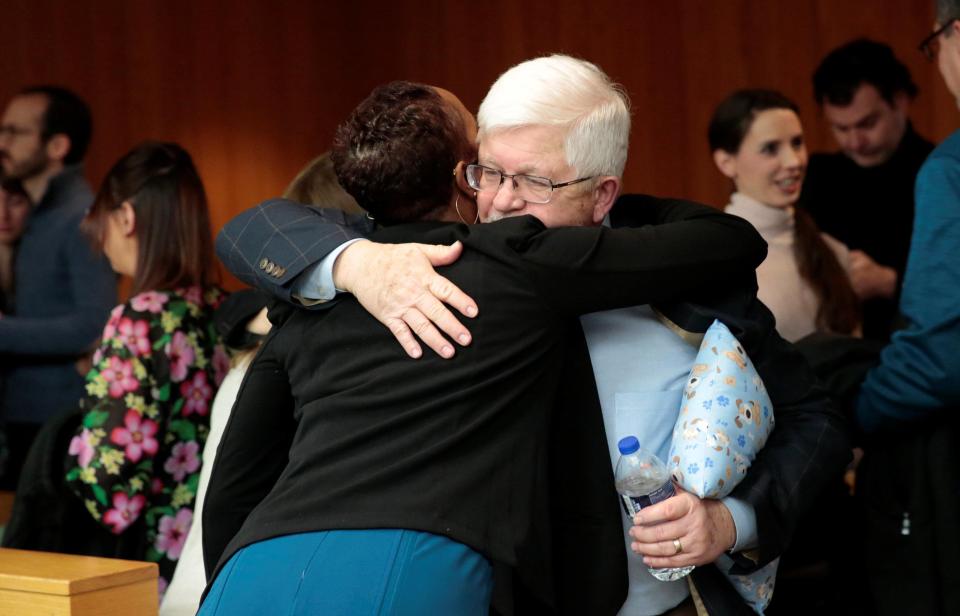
[569, 93]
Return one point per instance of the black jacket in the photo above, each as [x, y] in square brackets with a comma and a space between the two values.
[584, 535]
[869, 209]
[450, 447]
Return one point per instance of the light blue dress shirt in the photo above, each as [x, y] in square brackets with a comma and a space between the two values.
[315, 284]
[641, 367]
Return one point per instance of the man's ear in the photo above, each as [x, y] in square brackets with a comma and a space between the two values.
[128, 218]
[901, 102]
[726, 163]
[605, 194]
[58, 146]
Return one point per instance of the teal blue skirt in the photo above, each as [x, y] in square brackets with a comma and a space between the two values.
[355, 573]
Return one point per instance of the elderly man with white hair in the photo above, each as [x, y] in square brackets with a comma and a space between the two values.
[553, 140]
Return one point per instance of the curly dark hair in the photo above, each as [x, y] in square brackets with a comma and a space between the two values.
[862, 61]
[396, 152]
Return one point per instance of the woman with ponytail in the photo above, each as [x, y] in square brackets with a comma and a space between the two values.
[757, 141]
[134, 461]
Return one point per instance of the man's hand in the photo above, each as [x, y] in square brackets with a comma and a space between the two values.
[869, 278]
[396, 284]
[704, 527]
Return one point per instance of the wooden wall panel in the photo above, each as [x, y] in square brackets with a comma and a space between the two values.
[255, 88]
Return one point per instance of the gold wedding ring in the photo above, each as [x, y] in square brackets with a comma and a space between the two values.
[677, 546]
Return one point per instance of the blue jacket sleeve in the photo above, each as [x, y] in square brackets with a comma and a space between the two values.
[919, 372]
[92, 292]
[271, 244]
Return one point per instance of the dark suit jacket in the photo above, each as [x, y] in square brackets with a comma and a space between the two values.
[585, 534]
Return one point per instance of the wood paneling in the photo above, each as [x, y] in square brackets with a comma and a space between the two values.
[254, 89]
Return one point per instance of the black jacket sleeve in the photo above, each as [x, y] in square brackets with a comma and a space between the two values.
[685, 249]
[253, 452]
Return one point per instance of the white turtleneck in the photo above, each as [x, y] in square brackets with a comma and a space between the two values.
[781, 287]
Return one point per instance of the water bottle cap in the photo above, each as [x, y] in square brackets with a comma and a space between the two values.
[628, 445]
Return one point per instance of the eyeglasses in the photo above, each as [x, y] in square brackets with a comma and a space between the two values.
[928, 46]
[12, 132]
[530, 188]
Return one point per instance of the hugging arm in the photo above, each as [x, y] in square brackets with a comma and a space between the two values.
[690, 250]
[282, 248]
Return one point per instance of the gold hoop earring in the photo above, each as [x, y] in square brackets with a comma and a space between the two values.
[456, 205]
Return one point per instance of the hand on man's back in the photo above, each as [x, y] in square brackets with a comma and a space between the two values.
[397, 284]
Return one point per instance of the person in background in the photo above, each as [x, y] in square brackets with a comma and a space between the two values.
[863, 194]
[14, 208]
[242, 324]
[757, 141]
[908, 404]
[317, 185]
[63, 290]
[134, 461]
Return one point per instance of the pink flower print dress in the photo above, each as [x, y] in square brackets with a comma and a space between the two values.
[146, 417]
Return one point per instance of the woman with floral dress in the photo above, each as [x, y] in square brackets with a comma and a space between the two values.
[135, 460]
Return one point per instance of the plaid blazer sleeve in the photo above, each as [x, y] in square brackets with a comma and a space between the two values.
[272, 243]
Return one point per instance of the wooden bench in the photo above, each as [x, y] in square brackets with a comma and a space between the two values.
[43, 583]
[6, 506]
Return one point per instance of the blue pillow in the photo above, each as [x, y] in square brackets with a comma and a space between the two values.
[725, 418]
[724, 421]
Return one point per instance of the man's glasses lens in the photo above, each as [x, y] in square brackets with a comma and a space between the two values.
[528, 187]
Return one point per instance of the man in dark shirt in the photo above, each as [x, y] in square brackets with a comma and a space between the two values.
[863, 195]
[62, 291]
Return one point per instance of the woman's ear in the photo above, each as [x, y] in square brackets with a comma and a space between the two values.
[460, 178]
[726, 163]
[128, 218]
[466, 197]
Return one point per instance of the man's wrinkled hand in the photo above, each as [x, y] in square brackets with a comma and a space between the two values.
[396, 283]
[869, 278]
[704, 527]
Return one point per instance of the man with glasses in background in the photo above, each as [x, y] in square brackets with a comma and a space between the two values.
[63, 292]
[908, 404]
[536, 158]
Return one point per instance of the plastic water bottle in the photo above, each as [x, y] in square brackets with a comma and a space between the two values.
[642, 479]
